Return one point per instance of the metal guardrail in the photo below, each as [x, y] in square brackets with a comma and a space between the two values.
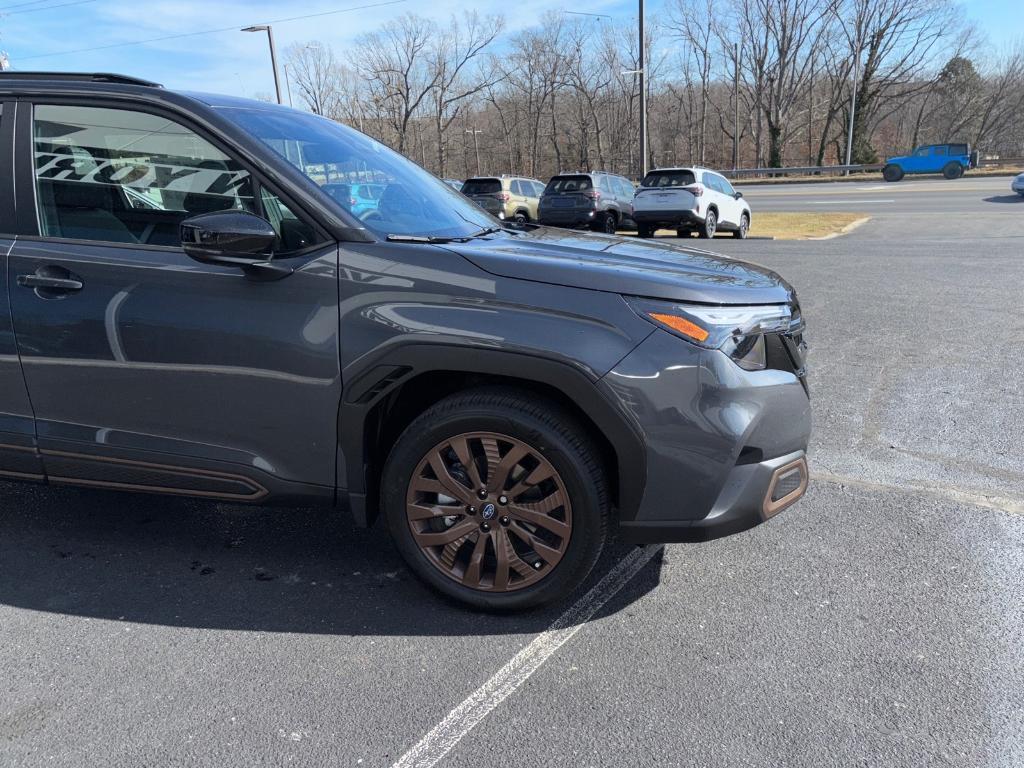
[811, 170]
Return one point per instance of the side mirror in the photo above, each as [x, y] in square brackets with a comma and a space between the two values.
[233, 239]
[738, 195]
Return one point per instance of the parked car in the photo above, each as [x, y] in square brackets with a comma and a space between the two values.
[510, 198]
[454, 184]
[951, 160]
[1018, 184]
[688, 200]
[499, 396]
[601, 201]
[359, 199]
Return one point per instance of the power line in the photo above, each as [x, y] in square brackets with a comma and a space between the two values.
[47, 8]
[233, 27]
[21, 5]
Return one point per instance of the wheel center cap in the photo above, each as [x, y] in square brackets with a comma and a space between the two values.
[488, 511]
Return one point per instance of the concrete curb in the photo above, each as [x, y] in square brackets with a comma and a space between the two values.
[844, 231]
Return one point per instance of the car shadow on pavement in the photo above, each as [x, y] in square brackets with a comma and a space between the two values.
[1005, 199]
[180, 562]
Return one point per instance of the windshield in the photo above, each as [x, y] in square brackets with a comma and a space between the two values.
[668, 179]
[405, 199]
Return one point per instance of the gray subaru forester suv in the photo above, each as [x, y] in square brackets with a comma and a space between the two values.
[187, 311]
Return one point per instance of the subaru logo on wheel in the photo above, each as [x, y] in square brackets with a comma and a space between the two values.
[488, 511]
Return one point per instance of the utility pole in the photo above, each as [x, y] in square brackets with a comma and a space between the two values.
[476, 146]
[643, 96]
[853, 105]
[736, 108]
[273, 53]
[288, 85]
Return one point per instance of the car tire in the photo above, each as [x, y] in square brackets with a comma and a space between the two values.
[605, 223]
[740, 233]
[541, 563]
[521, 218]
[710, 225]
[644, 230]
[892, 172]
[953, 171]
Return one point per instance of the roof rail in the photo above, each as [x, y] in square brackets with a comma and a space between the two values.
[81, 77]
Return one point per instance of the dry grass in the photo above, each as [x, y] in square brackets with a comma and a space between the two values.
[792, 226]
[801, 226]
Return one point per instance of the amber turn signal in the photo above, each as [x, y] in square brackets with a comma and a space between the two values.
[680, 324]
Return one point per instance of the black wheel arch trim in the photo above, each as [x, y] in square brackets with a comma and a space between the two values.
[370, 381]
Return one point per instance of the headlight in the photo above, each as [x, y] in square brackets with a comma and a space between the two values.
[736, 330]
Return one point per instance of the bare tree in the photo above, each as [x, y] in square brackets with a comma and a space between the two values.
[396, 67]
[452, 58]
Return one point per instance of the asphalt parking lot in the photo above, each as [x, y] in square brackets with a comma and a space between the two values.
[878, 622]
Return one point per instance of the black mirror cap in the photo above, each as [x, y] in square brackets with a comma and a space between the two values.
[738, 195]
[233, 234]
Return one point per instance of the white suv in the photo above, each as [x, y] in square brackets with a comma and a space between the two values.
[689, 199]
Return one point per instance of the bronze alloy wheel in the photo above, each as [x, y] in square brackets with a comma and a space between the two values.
[489, 511]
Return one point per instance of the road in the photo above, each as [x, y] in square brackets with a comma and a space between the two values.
[877, 622]
[921, 195]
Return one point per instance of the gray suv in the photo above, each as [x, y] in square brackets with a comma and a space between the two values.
[186, 310]
[601, 201]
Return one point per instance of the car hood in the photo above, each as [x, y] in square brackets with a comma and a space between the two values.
[626, 266]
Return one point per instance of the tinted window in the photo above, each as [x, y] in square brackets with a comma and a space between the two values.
[128, 177]
[718, 183]
[680, 178]
[516, 189]
[481, 186]
[940, 151]
[576, 183]
[958, 149]
[921, 152]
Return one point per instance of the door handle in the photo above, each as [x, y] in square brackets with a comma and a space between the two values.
[51, 281]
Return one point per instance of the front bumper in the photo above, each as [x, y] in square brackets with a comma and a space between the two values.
[752, 494]
[725, 448]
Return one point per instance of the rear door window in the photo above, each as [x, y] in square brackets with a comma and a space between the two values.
[517, 190]
[481, 187]
[678, 178]
[574, 183]
[939, 151]
[722, 184]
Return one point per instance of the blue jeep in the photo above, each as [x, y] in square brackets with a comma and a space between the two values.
[951, 160]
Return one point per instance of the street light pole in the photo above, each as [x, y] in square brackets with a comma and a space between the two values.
[273, 53]
[736, 108]
[643, 97]
[476, 146]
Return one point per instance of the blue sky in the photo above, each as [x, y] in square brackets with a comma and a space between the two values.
[234, 62]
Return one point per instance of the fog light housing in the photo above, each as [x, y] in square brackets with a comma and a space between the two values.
[788, 484]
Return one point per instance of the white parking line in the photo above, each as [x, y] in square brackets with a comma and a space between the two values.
[440, 740]
[847, 202]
